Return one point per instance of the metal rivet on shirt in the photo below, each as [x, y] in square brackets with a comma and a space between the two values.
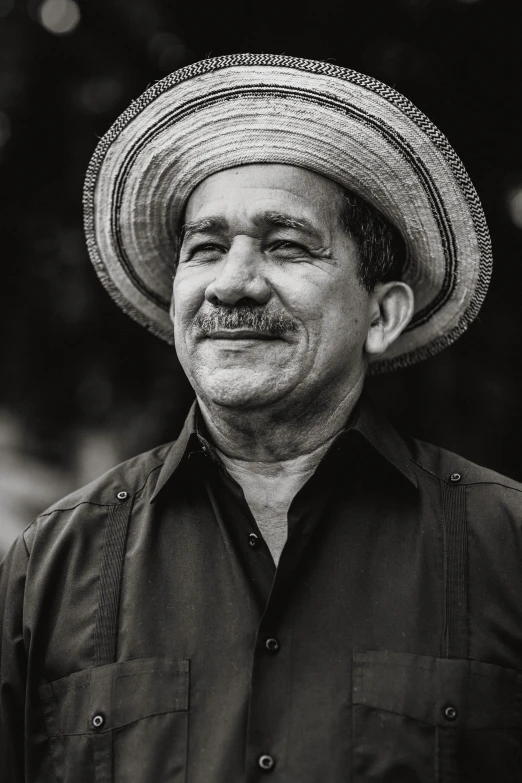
[272, 645]
[455, 477]
[98, 721]
[122, 495]
[266, 763]
[253, 540]
[450, 712]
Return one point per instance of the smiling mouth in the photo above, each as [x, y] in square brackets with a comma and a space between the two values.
[241, 334]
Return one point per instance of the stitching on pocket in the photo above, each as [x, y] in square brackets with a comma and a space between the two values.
[51, 704]
[398, 714]
[117, 728]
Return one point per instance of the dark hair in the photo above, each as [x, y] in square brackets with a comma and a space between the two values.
[381, 248]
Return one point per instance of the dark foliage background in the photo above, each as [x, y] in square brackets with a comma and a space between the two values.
[82, 385]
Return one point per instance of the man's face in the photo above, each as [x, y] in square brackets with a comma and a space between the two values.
[267, 304]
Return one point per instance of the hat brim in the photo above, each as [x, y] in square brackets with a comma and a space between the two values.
[241, 109]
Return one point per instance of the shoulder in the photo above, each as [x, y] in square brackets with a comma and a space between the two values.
[130, 476]
[134, 477]
[493, 501]
[427, 465]
[455, 469]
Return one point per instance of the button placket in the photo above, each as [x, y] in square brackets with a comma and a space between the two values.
[270, 675]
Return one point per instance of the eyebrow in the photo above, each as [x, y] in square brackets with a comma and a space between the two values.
[210, 225]
[280, 220]
[268, 219]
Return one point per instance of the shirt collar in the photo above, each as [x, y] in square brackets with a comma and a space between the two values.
[187, 443]
[367, 421]
[379, 433]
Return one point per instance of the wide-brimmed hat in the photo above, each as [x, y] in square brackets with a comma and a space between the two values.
[260, 108]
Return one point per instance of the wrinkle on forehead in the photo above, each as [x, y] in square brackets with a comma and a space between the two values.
[270, 177]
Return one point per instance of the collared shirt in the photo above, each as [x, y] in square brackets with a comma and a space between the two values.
[147, 635]
[269, 489]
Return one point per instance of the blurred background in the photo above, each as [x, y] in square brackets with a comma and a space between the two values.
[82, 386]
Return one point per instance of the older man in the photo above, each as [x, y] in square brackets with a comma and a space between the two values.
[291, 589]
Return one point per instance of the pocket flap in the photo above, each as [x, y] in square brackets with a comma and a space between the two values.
[121, 693]
[482, 695]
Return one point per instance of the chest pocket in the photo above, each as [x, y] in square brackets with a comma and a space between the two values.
[120, 722]
[418, 719]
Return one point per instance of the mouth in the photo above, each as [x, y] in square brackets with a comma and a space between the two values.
[240, 334]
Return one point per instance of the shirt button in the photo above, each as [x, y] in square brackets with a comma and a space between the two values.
[98, 721]
[272, 645]
[455, 478]
[450, 712]
[122, 495]
[266, 763]
[253, 540]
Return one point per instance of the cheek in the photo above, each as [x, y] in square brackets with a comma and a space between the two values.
[320, 307]
[188, 295]
[340, 318]
[301, 296]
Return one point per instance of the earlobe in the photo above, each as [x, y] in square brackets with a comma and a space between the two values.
[391, 310]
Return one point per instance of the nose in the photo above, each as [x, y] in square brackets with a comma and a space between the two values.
[239, 275]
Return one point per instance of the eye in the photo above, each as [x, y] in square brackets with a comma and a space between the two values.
[202, 252]
[287, 249]
[204, 247]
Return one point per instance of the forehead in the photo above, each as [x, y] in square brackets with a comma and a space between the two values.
[265, 186]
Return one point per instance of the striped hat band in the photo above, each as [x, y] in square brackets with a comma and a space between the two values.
[241, 109]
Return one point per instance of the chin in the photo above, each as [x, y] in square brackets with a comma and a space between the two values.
[233, 389]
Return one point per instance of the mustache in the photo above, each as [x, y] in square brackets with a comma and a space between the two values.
[244, 317]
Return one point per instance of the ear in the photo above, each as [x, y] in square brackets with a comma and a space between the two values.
[391, 309]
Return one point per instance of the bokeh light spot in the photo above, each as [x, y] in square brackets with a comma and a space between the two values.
[514, 203]
[168, 51]
[59, 16]
[100, 95]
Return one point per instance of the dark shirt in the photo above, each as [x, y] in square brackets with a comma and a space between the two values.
[148, 637]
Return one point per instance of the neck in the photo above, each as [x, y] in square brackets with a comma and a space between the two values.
[273, 435]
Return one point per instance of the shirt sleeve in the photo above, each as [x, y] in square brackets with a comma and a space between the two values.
[13, 663]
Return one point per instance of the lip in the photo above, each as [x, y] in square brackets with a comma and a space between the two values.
[240, 334]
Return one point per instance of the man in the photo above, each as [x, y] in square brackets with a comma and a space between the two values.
[291, 589]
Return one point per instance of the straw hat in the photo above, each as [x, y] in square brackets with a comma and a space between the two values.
[260, 108]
